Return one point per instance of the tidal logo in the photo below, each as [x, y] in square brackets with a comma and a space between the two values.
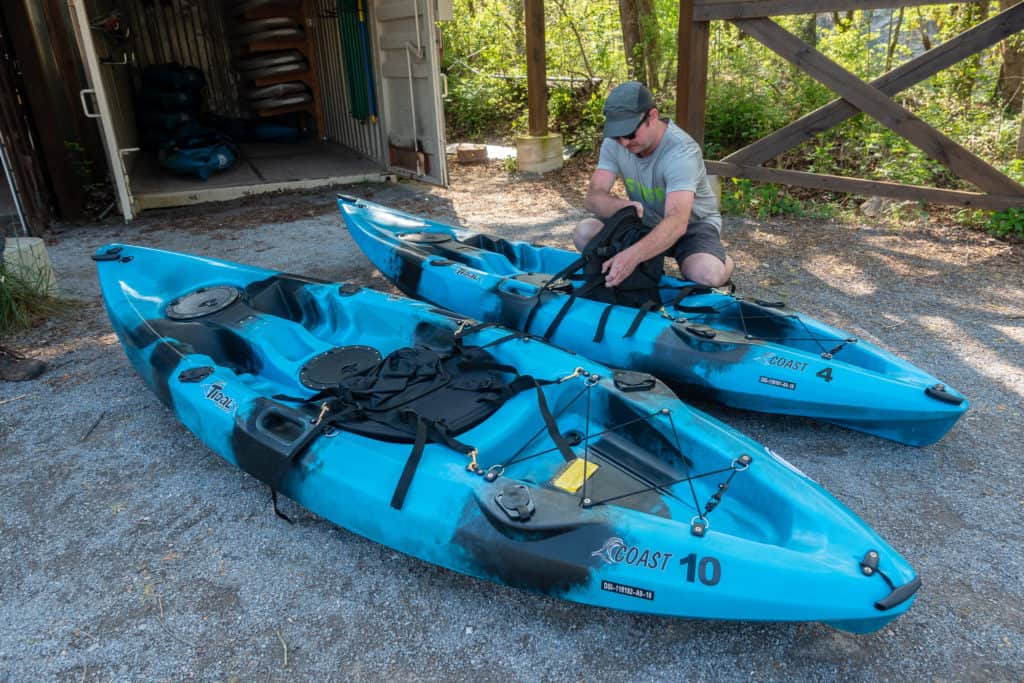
[215, 393]
[616, 551]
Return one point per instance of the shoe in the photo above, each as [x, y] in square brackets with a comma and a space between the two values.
[15, 367]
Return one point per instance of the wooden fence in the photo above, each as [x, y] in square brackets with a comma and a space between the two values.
[874, 99]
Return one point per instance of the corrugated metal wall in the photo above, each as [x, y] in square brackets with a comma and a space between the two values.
[367, 138]
[192, 33]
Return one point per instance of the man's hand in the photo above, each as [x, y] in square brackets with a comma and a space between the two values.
[639, 208]
[619, 267]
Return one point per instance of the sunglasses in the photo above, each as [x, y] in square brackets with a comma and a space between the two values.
[632, 135]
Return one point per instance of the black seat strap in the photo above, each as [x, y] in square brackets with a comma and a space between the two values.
[644, 310]
[549, 422]
[402, 488]
[599, 333]
[531, 314]
[687, 290]
[558, 318]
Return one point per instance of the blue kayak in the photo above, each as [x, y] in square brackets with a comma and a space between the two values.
[748, 354]
[479, 449]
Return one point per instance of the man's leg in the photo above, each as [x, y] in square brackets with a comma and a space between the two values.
[701, 256]
[585, 232]
[707, 269]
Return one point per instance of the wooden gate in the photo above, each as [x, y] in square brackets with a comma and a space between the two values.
[998, 191]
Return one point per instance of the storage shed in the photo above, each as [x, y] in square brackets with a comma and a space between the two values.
[361, 78]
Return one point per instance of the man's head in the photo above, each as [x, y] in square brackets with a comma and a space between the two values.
[625, 108]
[628, 109]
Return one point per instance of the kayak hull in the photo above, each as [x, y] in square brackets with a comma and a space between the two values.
[746, 354]
[225, 346]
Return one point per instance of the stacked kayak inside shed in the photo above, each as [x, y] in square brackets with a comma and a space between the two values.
[749, 354]
[478, 449]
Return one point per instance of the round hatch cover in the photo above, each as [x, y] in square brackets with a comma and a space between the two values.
[327, 369]
[203, 301]
[425, 237]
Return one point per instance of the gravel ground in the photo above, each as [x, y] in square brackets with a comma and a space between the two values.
[128, 551]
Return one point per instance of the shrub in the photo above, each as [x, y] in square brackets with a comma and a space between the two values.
[25, 300]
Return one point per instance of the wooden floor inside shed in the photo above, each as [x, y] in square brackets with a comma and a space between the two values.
[260, 168]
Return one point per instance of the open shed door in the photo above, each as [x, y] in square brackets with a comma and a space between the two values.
[408, 41]
[108, 101]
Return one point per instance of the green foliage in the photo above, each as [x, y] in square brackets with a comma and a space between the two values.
[1009, 223]
[737, 116]
[743, 197]
[481, 108]
[579, 118]
[751, 91]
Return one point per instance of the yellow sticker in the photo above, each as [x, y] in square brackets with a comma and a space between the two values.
[572, 475]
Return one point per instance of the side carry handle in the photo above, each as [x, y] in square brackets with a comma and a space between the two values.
[85, 104]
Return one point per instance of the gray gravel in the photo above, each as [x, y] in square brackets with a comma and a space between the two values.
[128, 551]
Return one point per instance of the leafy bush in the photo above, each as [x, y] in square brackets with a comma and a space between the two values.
[1009, 223]
[480, 108]
[578, 115]
[737, 116]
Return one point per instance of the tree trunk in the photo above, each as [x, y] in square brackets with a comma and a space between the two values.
[967, 15]
[809, 30]
[640, 40]
[1010, 87]
[1020, 140]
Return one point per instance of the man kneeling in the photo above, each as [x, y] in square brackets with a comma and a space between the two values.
[663, 171]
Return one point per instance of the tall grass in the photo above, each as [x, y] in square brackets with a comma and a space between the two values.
[25, 299]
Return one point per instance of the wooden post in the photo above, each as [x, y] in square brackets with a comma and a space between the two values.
[536, 71]
[691, 71]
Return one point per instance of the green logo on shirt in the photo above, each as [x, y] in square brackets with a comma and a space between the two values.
[647, 194]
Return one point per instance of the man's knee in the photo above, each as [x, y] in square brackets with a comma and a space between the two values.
[707, 269]
[585, 231]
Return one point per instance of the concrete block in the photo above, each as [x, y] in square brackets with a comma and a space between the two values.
[27, 257]
[539, 154]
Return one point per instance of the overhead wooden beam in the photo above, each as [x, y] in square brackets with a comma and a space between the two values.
[708, 10]
[978, 38]
[820, 181]
[877, 105]
[536, 69]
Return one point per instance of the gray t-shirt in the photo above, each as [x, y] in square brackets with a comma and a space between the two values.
[676, 164]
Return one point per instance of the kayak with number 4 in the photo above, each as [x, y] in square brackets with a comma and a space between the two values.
[749, 354]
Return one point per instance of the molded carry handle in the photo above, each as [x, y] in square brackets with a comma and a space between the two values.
[85, 104]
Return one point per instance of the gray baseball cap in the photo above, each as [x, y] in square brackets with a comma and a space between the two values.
[625, 107]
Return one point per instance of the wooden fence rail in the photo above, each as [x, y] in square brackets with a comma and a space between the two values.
[874, 99]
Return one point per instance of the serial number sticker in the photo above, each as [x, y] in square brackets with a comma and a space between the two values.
[631, 591]
[781, 383]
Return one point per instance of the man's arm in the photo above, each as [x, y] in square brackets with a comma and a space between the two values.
[666, 233]
[600, 201]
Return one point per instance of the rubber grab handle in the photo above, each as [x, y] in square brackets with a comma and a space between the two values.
[899, 595]
[281, 426]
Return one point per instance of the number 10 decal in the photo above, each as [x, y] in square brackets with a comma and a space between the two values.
[707, 569]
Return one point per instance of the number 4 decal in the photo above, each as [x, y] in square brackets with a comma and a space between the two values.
[825, 374]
